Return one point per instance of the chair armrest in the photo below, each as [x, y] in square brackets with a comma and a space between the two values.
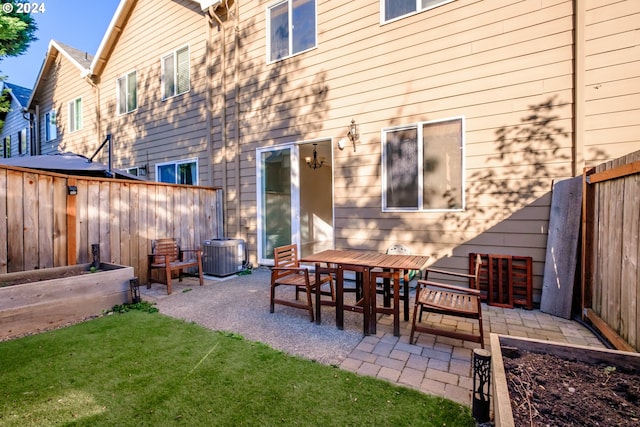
[294, 269]
[455, 288]
[449, 273]
[183, 251]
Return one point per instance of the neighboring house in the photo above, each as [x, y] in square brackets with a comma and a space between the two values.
[15, 137]
[63, 103]
[465, 112]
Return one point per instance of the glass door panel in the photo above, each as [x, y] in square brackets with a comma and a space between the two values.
[276, 202]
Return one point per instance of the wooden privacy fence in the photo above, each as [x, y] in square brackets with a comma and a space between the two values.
[53, 219]
[611, 250]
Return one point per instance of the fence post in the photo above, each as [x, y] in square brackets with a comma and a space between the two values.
[72, 191]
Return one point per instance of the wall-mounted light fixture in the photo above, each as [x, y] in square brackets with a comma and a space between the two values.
[142, 170]
[314, 162]
[353, 135]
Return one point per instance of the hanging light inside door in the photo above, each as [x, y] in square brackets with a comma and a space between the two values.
[314, 162]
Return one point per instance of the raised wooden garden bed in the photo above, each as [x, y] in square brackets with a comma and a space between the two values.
[37, 300]
[535, 381]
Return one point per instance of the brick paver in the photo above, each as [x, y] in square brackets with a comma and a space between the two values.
[443, 366]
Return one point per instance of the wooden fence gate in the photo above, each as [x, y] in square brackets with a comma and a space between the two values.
[53, 219]
[611, 250]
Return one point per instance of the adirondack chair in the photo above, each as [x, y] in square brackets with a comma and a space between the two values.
[447, 299]
[166, 255]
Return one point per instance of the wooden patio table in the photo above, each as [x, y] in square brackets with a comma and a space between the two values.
[362, 262]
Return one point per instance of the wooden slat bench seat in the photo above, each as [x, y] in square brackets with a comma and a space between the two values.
[451, 300]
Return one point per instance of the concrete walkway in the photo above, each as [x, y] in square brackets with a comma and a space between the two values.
[435, 365]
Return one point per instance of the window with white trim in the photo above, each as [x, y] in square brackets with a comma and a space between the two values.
[179, 172]
[422, 166]
[22, 142]
[75, 115]
[50, 127]
[291, 28]
[175, 73]
[391, 10]
[127, 93]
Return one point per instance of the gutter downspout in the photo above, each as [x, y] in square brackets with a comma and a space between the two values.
[579, 22]
[223, 118]
[236, 48]
[96, 90]
[36, 131]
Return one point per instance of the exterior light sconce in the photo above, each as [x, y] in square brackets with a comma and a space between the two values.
[314, 162]
[352, 135]
[143, 170]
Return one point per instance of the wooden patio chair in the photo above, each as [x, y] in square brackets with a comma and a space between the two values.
[167, 256]
[288, 272]
[451, 300]
[385, 288]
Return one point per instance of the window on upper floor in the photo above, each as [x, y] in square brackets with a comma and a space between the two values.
[23, 146]
[179, 172]
[75, 115]
[175, 73]
[127, 93]
[391, 10]
[50, 126]
[291, 28]
[6, 147]
[422, 166]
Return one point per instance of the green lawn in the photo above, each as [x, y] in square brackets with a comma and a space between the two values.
[147, 369]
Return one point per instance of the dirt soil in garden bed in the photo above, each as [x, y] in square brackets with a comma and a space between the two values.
[57, 275]
[549, 391]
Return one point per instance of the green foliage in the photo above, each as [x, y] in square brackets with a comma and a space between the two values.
[144, 306]
[17, 30]
[140, 370]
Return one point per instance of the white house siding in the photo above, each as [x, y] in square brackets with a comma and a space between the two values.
[158, 130]
[611, 80]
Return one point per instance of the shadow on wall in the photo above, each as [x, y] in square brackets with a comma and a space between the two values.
[512, 183]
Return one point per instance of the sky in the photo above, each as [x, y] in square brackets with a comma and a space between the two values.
[77, 23]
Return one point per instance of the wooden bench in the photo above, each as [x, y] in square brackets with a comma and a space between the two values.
[166, 255]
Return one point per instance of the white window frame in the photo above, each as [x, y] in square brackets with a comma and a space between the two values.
[176, 163]
[417, 10]
[174, 54]
[75, 118]
[50, 126]
[419, 128]
[126, 78]
[290, 15]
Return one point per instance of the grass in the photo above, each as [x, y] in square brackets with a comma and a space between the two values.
[143, 369]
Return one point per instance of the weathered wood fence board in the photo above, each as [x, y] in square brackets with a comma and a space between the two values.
[47, 227]
[611, 250]
[562, 248]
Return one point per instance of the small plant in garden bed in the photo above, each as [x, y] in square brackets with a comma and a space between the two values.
[139, 306]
